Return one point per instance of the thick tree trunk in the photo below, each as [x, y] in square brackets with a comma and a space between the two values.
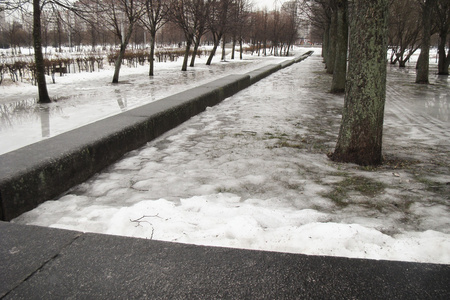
[340, 63]
[444, 58]
[331, 57]
[38, 56]
[423, 61]
[360, 135]
[325, 43]
[402, 63]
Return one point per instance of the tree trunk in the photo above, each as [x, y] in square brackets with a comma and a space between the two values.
[340, 63]
[214, 49]
[194, 53]
[152, 53]
[223, 48]
[265, 47]
[123, 47]
[325, 43]
[241, 49]
[444, 58]
[38, 56]
[118, 64]
[423, 61]
[360, 135]
[331, 57]
[232, 48]
[186, 54]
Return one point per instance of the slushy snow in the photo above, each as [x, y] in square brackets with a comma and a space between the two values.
[252, 172]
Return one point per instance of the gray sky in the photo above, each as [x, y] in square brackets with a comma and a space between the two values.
[269, 3]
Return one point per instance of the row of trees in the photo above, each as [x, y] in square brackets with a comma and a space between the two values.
[411, 26]
[361, 31]
[194, 20]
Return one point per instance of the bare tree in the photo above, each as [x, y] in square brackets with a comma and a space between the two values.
[404, 30]
[424, 57]
[242, 17]
[331, 17]
[153, 19]
[340, 62]
[37, 8]
[121, 16]
[15, 35]
[38, 56]
[442, 13]
[319, 13]
[200, 11]
[180, 13]
[292, 23]
[276, 28]
[217, 23]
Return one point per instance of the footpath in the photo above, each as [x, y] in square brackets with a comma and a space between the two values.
[48, 263]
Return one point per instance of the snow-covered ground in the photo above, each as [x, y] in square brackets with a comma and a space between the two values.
[253, 173]
[82, 98]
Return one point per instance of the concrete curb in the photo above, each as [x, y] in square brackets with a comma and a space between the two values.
[48, 263]
[44, 170]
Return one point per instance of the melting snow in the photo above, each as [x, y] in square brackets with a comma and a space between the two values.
[253, 173]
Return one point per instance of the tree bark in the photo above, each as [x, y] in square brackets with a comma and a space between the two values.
[38, 56]
[232, 47]
[186, 54]
[442, 12]
[223, 48]
[216, 38]
[151, 71]
[123, 47]
[444, 58]
[331, 53]
[241, 49]
[360, 135]
[340, 63]
[423, 61]
[325, 43]
[194, 53]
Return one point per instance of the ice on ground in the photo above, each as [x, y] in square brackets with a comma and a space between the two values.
[253, 173]
[83, 98]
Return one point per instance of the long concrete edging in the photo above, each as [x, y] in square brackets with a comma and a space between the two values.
[49, 263]
[44, 170]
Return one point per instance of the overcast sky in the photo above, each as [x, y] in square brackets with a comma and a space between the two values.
[269, 3]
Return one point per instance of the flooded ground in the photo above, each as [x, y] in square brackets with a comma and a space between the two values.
[83, 98]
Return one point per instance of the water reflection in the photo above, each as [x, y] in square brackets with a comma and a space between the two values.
[431, 100]
[17, 112]
[121, 100]
[24, 121]
[45, 121]
[439, 107]
[27, 111]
